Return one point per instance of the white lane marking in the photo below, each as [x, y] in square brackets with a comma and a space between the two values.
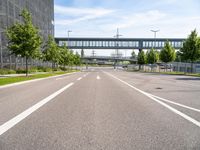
[34, 80]
[98, 78]
[61, 78]
[190, 119]
[79, 78]
[85, 74]
[12, 122]
[178, 104]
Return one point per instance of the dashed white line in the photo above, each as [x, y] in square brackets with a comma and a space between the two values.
[79, 78]
[188, 118]
[12, 122]
[98, 78]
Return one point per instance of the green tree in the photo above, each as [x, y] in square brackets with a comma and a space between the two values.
[24, 39]
[167, 54]
[152, 57]
[141, 58]
[71, 58]
[191, 48]
[77, 59]
[64, 56]
[51, 51]
[82, 53]
[133, 55]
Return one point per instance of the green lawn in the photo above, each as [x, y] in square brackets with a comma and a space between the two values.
[9, 80]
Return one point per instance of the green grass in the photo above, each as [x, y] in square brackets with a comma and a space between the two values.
[9, 80]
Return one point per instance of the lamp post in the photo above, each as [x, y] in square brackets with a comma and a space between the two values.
[1, 49]
[68, 37]
[154, 31]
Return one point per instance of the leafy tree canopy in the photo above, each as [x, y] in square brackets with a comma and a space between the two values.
[167, 54]
[191, 47]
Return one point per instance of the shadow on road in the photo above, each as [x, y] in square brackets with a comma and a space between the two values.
[194, 79]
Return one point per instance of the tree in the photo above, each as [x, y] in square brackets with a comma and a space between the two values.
[191, 48]
[24, 39]
[141, 58]
[152, 57]
[82, 53]
[133, 55]
[71, 58]
[51, 51]
[167, 54]
[77, 59]
[64, 56]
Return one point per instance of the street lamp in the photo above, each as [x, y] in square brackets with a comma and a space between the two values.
[68, 37]
[154, 31]
[1, 49]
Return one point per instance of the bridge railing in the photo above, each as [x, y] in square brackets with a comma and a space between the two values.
[122, 43]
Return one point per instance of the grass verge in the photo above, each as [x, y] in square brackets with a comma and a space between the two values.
[9, 80]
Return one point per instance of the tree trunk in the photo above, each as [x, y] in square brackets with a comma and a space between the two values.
[26, 66]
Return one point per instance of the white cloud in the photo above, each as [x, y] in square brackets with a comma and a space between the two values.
[137, 19]
[79, 14]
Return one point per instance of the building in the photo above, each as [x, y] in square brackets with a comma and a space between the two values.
[42, 12]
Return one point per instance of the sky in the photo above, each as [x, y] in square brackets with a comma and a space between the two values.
[134, 18]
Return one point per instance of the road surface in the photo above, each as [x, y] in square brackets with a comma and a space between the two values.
[102, 109]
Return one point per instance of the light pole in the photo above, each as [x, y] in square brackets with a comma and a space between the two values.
[154, 31]
[68, 37]
[1, 50]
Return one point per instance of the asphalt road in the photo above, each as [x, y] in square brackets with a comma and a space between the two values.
[102, 109]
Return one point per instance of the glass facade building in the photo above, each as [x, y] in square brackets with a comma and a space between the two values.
[42, 12]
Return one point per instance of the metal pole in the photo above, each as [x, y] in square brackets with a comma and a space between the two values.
[68, 37]
[154, 31]
[1, 50]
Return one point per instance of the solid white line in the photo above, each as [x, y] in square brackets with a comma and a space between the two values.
[61, 78]
[178, 104]
[11, 123]
[34, 80]
[98, 78]
[190, 119]
[79, 78]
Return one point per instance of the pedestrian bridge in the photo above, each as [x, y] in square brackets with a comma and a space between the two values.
[119, 43]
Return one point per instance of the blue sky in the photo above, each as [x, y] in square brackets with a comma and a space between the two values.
[134, 18]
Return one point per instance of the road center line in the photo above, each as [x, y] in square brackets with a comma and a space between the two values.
[98, 78]
[79, 78]
[12, 122]
[190, 119]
